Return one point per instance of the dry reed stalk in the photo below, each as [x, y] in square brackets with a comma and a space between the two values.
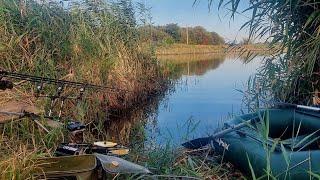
[316, 98]
[178, 49]
[18, 164]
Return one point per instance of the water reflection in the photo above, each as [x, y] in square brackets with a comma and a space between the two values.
[193, 64]
[212, 98]
[129, 127]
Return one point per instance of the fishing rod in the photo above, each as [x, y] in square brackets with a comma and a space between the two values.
[61, 84]
[70, 125]
[41, 80]
[33, 116]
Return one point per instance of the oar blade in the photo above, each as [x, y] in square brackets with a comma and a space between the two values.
[197, 143]
[113, 164]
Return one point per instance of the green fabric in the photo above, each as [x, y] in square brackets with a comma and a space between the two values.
[80, 166]
[284, 165]
[296, 143]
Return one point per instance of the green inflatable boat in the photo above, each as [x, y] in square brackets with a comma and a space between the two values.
[287, 137]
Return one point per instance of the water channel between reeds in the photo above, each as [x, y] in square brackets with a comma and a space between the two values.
[203, 96]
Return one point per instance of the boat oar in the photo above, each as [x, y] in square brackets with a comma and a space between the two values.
[303, 107]
[200, 142]
[308, 110]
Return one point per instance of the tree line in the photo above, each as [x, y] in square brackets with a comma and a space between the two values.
[172, 33]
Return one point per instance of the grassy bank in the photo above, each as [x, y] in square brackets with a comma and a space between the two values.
[79, 43]
[92, 42]
[168, 162]
[178, 49]
[26, 143]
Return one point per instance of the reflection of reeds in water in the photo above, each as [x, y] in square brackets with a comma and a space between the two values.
[129, 127]
[193, 64]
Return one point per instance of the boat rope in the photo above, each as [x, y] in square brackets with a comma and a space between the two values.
[41, 80]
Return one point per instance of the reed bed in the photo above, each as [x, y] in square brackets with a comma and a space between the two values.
[179, 49]
[185, 58]
[171, 163]
[88, 41]
[292, 28]
[190, 49]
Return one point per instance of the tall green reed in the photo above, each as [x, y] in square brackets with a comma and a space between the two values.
[292, 30]
[288, 148]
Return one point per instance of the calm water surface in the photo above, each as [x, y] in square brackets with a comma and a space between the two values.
[204, 96]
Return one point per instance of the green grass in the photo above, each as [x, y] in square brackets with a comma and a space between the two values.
[99, 46]
[81, 44]
[93, 42]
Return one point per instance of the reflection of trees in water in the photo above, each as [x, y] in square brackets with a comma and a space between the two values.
[194, 64]
[200, 67]
[130, 127]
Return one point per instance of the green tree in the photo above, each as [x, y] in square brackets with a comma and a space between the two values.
[201, 36]
[216, 39]
[174, 31]
[175, 34]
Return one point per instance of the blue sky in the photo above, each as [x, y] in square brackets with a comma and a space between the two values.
[184, 13]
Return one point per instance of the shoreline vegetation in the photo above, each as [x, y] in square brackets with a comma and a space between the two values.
[88, 41]
[180, 49]
[95, 43]
[105, 44]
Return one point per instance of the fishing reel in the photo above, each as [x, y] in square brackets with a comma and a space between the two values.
[39, 88]
[81, 93]
[5, 84]
[67, 149]
[75, 126]
[63, 98]
[76, 130]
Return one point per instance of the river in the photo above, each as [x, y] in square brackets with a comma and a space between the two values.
[204, 95]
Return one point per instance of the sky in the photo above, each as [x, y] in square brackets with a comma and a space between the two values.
[184, 13]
